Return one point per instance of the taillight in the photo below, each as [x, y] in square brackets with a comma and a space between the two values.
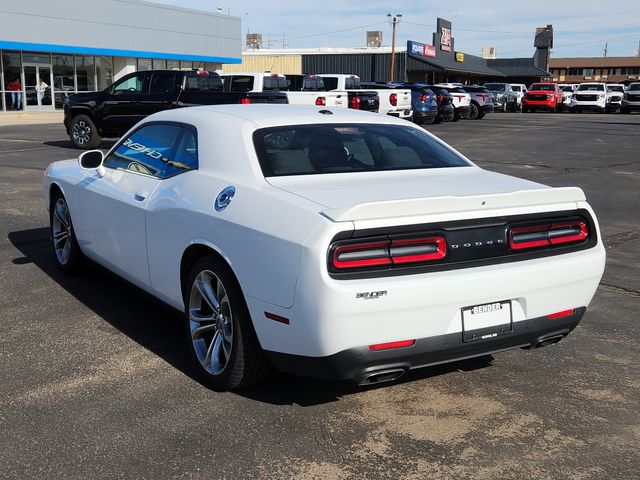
[388, 252]
[355, 103]
[393, 99]
[245, 101]
[423, 97]
[536, 236]
[362, 255]
[564, 313]
[418, 250]
[321, 101]
[440, 98]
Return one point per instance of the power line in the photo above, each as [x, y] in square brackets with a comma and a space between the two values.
[337, 31]
[528, 32]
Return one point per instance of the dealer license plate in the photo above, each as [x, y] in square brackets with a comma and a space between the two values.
[480, 322]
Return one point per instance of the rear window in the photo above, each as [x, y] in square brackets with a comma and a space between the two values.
[203, 82]
[496, 87]
[317, 149]
[516, 88]
[352, 83]
[274, 83]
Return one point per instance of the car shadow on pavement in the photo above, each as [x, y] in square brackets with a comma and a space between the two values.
[158, 328]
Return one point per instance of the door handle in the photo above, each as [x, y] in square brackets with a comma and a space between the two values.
[141, 195]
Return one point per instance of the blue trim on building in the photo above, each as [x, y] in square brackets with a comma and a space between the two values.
[44, 47]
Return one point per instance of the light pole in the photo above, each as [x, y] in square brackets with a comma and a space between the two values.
[394, 20]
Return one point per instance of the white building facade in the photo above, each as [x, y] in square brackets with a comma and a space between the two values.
[49, 51]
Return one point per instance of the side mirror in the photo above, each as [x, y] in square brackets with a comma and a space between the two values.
[92, 160]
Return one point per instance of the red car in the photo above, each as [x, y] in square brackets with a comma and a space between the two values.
[544, 96]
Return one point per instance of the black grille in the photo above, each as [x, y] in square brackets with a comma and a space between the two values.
[587, 98]
[633, 98]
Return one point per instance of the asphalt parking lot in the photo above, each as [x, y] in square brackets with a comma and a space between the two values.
[96, 382]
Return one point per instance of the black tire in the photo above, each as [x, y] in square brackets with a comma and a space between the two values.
[83, 133]
[525, 110]
[63, 236]
[246, 364]
[474, 111]
[481, 115]
[428, 120]
[625, 111]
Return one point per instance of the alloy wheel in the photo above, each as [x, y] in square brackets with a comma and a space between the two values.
[61, 231]
[81, 132]
[210, 322]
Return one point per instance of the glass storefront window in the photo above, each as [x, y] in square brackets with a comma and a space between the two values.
[159, 64]
[173, 64]
[104, 72]
[85, 72]
[186, 65]
[36, 58]
[11, 67]
[64, 83]
[144, 64]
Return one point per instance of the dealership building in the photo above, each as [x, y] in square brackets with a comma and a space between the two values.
[50, 50]
[432, 61]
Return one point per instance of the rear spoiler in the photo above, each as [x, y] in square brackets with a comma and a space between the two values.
[438, 205]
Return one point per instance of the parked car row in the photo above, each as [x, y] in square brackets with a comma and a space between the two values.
[557, 97]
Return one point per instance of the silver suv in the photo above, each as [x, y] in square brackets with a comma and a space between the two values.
[631, 99]
[481, 101]
[504, 98]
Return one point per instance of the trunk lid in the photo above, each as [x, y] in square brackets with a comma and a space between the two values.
[410, 193]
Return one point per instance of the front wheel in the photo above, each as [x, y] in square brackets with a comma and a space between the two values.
[223, 344]
[66, 250]
[83, 133]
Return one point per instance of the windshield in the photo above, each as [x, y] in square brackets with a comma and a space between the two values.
[516, 88]
[341, 148]
[634, 86]
[615, 88]
[585, 87]
[543, 87]
[496, 87]
[566, 88]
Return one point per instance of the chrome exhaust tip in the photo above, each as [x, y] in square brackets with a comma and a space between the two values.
[380, 376]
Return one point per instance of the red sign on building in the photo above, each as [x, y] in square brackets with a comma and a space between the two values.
[445, 39]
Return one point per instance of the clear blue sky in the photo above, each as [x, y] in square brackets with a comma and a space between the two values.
[581, 27]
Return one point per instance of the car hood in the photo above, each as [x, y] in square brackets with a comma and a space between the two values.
[357, 196]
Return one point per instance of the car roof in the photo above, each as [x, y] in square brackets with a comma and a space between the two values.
[265, 115]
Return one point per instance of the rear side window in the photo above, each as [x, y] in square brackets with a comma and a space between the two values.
[162, 82]
[158, 150]
[317, 149]
[241, 83]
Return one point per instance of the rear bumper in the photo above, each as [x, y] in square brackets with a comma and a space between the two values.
[426, 115]
[407, 113]
[356, 364]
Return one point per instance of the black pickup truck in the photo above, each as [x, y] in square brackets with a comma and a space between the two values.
[88, 117]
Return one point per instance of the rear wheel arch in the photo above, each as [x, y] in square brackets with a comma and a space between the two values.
[190, 257]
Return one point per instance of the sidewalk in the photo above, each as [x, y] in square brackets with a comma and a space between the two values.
[29, 118]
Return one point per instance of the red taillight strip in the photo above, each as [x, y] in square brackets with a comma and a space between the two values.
[320, 101]
[393, 99]
[362, 255]
[564, 313]
[388, 252]
[418, 249]
[391, 345]
[355, 103]
[521, 238]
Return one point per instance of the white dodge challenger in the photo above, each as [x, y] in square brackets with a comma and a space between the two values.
[329, 243]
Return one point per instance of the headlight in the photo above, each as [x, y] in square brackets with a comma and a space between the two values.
[573, 96]
[601, 96]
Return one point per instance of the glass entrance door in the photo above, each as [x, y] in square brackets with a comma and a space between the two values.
[37, 87]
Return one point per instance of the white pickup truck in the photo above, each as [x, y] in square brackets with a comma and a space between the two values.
[263, 82]
[395, 102]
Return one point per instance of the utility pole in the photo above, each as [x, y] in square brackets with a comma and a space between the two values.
[394, 20]
[606, 47]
